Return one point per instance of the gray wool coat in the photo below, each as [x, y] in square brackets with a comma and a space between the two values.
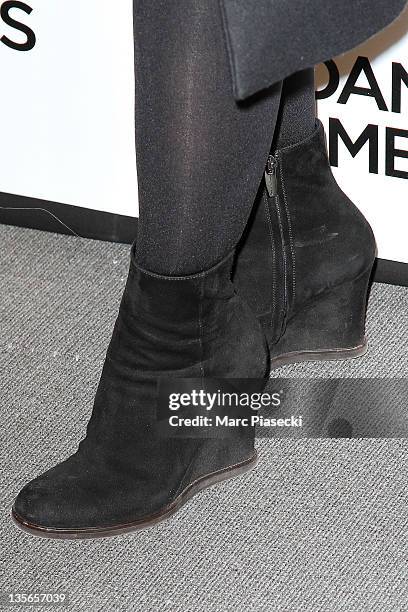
[270, 39]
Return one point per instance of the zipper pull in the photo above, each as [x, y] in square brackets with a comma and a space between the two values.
[271, 179]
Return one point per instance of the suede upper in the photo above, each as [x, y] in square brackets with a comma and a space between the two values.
[304, 246]
[123, 471]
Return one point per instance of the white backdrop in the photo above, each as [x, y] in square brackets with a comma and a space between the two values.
[67, 133]
[383, 199]
[67, 115]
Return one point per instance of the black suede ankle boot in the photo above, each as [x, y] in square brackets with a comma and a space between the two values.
[305, 261]
[124, 476]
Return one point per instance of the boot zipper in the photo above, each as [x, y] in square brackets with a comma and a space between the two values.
[271, 183]
[271, 176]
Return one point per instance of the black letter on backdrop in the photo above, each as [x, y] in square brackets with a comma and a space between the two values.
[399, 76]
[370, 134]
[8, 20]
[332, 85]
[391, 152]
[363, 65]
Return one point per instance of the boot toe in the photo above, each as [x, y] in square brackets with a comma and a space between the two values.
[46, 502]
[73, 496]
[55, 499]
[31, 506]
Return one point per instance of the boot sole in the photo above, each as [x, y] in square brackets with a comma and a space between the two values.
[340, 354]
[105, 532]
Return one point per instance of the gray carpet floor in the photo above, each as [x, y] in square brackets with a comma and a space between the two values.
[319, 525]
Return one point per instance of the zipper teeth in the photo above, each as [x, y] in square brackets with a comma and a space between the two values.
[271, 164]
[275, 165]
[271, 175]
